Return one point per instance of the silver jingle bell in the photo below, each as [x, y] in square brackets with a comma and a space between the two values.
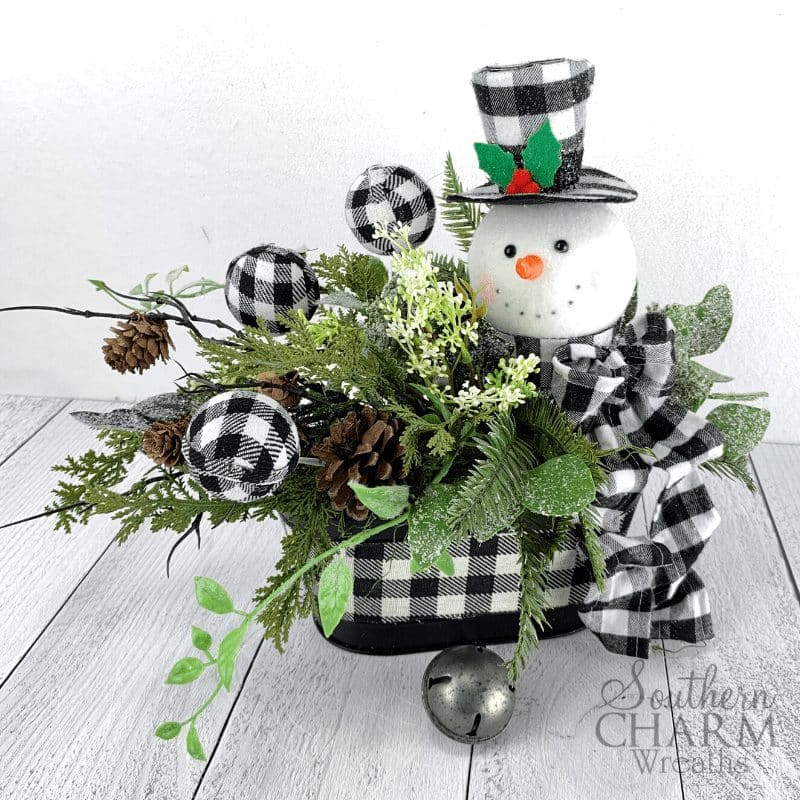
[467, 695]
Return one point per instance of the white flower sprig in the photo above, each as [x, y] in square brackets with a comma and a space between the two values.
[434, 323]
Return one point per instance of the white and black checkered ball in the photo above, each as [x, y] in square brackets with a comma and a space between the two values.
[267, 282]
[241, 445]
[392, 194]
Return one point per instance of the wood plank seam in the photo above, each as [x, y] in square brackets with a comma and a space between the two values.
[469, 770]
[672, 717]
[784, 555]
[46, 422]
[55, 615]
[227, 719]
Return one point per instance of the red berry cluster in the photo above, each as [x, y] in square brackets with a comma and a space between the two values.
[522, 182]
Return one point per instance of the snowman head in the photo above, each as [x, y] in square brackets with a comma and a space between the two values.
[552, 270]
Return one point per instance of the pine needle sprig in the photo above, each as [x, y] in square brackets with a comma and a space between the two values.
[539, 540]
[590, 528]
[552, 433]
[489, 498]
[449, 268]
[733, 468]
[461, 219]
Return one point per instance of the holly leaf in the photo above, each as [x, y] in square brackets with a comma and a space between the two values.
[542, 155]
[560, 487]
[193, 746]
[386, 502]
[226, 658]
[497, 163]
[335, 589]
[185, 671]
[702, 328]
[201, 639]
[429, 532]
[212, 596]
[168, 730]
[742, 427]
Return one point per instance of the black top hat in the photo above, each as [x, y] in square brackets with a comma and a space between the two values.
[534, 117]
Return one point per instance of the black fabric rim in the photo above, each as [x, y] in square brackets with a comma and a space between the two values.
[589, 178]
[402, 638]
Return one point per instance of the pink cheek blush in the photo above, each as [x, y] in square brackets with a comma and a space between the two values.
[485, 288]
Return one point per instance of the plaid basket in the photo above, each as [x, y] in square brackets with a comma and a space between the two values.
[392, 611]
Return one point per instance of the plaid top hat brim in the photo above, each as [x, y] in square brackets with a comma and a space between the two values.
[593, 185]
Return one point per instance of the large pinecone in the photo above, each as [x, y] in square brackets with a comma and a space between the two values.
[138, 342]
[364, 447]
[278, 390]
[162, 441]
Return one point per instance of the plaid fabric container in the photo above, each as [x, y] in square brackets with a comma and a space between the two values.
[616, 386]
[393, 611]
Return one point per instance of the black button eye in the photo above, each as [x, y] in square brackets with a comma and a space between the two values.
[562, 245]
[510, 250]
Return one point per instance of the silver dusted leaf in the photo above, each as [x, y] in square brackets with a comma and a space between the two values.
[165, 407]
[140, 416]
[120, 419]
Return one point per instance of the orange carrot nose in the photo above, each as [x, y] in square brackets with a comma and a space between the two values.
[530, 267]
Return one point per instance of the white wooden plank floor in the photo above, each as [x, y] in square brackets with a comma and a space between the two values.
[88, 630]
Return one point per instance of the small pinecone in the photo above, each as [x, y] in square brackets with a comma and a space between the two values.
[285, 397]
[137, 344]
[162, 441]
[364, 447]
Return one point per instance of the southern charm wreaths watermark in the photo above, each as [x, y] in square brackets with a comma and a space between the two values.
[701, 725]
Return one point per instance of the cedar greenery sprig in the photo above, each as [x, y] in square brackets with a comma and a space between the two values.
[94, 470]
[358, 273]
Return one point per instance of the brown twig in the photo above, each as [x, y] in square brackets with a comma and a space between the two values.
[186, 320]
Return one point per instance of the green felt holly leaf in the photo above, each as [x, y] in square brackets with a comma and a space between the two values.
[386, 502]
[168, 730]
[559, 487]
[542, 155]
[497, 163]
[742, 427]
[335, 589]
[212, 596]
[193, 746]
[702, 328]
[185, 671]
[229, 649]
[429, 533]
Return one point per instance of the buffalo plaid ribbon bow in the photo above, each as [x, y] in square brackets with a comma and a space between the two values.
[617, 386]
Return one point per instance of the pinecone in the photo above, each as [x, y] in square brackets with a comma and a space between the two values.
[285, 397]
[137, 344]
[162, 441]
[364, 447]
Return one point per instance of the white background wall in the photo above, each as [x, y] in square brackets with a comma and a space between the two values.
[140, 140]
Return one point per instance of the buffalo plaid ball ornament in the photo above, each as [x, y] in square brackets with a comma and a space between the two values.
[394, 195]
[241, 445]
[266, 283]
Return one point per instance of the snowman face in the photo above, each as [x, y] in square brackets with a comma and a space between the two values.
[553, 270]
